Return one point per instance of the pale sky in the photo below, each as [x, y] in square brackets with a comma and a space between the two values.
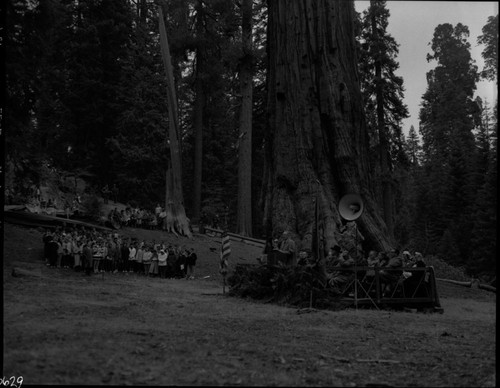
[412, 24]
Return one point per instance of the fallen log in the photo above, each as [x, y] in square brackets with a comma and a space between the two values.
[458, 283]
[471, 284]
[39, 220]
[487, 288]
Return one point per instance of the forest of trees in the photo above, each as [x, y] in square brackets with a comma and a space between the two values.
[271, 116]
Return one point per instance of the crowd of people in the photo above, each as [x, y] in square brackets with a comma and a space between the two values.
[91, 251]
[390, 264]
[137, 217]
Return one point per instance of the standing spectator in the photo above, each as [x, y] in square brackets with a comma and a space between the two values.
[87, 257]
[133, 219]
[123, 257]
[161, 220]
[127, 216]
[157, 210]
[96, 256]
[104, 253]
[47, 236]
[146, 259]
[105, 193]
[77, 248]
[153, 223]
[171, 262]
[139, 257]
[140, 215]
[131, 258]
[52, 248]
[190, 263]
[162, 262]
[67, 208]
[267, 256]
[110, 256]
[116, 254]
[181, 264]
[123, 218]
[156, 246]
[60, 250]
[69, 260]
[288, 247]
[153, 269]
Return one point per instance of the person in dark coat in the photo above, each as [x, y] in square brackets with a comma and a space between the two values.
[181, 265]
[52, 251]
[124, 254]
[87, 257]
[190, 264]
[391, 272]
[46, 238]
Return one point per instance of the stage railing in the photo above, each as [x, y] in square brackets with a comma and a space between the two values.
[382, 285]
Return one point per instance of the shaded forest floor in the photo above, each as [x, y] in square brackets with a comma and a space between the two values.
[61, 327]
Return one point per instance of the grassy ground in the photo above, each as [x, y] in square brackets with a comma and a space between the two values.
[61, 327]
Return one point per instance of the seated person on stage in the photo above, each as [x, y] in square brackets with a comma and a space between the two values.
[372, 259]
[419, 261]
[392, 271]
[408, 262]
[304, 257]
[338, 259]
[331, 258]
[417, 281]
[383, 259]
[407, 259]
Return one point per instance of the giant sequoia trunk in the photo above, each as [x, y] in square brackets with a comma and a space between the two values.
[199, 104]
[174, 201]
[317, 141]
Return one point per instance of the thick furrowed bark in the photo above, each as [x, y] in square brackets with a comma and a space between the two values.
[319, 139]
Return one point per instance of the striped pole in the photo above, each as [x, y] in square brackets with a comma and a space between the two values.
[224, 257]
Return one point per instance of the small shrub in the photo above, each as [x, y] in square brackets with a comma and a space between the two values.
[296, 286]
[444, 270]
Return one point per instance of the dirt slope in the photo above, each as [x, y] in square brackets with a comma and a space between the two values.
[63, 328]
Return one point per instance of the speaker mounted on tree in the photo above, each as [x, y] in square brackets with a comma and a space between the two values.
[351, 207]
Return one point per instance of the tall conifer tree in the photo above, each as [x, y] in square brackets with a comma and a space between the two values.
[383, 94]
[448, 143]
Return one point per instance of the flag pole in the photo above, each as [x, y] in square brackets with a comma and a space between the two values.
[224, 254]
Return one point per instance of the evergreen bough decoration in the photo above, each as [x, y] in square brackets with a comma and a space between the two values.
[300, 286]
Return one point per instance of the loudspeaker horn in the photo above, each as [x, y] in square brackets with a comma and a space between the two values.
[351, 207]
